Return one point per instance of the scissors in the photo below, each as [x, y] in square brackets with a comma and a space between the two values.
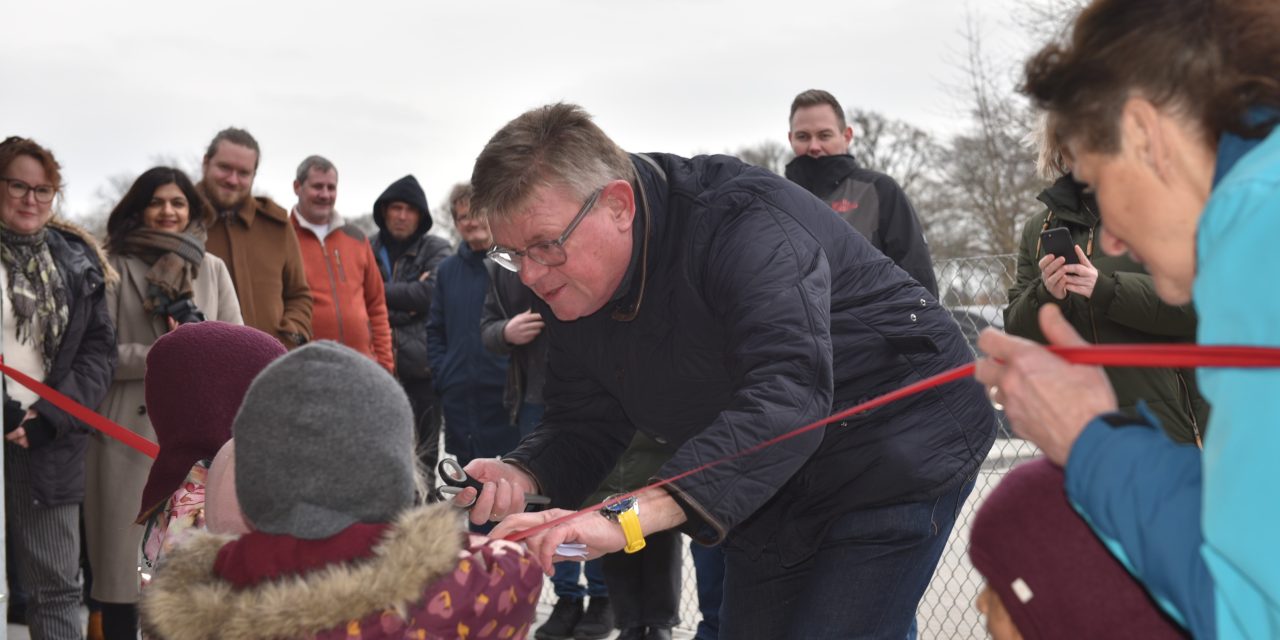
[455, 480]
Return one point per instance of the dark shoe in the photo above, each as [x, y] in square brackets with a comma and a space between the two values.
[658, 633]
[597, 622]
[564, 617]
[634, 633]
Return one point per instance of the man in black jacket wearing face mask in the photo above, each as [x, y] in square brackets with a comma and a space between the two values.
[868, 200]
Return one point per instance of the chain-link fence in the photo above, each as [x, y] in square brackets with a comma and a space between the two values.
[975, 291]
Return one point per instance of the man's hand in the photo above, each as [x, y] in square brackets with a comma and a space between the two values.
[503, 493]
[591, 529]
[424, 276]
[1082, 277]
[523, 328]
[1053, 276]
[1048, 400]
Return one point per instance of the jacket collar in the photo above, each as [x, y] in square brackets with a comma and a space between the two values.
[187, 598]
[652, 191]
[1069, 203]
[252, 207]
[820, 176]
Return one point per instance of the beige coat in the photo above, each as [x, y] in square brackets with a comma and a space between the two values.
[115, 473]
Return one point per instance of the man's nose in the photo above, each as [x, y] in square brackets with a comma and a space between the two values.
[531, 272]
[1111, 245]
[815, 149]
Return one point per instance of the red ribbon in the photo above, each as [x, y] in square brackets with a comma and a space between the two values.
[61, 401]
[1110, 355]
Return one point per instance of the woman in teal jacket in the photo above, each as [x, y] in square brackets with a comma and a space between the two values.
[1169, 110]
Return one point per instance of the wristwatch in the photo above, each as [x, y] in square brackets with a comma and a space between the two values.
[626, 512]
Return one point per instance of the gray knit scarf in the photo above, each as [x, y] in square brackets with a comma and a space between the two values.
[36, 291]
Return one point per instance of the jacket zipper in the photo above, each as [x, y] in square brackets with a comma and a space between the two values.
[333, 289]
[1189, 408]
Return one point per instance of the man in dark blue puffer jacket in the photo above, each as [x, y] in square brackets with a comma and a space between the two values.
[714, 306]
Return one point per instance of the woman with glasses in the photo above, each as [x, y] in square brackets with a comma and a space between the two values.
[155, 240]
[57, 330]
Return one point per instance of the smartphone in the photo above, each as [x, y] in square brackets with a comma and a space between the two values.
[1058, 242]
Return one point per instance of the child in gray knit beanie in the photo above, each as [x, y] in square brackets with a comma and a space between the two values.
[323, 440]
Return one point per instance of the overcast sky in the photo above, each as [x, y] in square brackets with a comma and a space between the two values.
[388, 88]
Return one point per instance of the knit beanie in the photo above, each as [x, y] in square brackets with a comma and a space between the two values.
[1052, 573]
[324, 440]
[196, 377]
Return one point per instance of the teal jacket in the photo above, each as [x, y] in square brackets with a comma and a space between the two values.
[1201, 531]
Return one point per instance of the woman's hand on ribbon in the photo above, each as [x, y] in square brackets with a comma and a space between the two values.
[1047, 400]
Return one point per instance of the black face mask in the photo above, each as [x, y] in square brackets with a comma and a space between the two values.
[820, 176]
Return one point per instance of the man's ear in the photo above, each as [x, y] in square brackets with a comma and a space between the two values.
[848, 136]
[620, 199]
[297, 188]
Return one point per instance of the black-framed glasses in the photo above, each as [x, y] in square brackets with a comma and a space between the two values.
[18, 190]
[549, 253]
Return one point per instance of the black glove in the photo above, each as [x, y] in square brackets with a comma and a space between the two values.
[184, 311]
[13, 414]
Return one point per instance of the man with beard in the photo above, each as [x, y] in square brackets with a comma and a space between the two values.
[408, 257]
[254, 237]
[868, 200]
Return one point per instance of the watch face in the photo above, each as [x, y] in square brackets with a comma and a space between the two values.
[619, 506]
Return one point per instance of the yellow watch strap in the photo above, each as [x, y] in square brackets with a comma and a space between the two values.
[630, 521]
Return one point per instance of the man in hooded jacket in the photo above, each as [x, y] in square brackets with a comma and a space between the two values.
[407, 256]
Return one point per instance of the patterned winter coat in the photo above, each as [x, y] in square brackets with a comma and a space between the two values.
[426, 579]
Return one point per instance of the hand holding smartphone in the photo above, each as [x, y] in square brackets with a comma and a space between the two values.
[1058, 242]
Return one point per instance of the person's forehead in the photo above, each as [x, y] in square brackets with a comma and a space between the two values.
[315, 175]
[815, 117]
[400, 205]
[228, 151]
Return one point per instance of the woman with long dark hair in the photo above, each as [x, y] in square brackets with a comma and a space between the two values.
[155, 240]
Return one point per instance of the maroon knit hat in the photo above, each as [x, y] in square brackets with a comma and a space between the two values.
[1052, 573]
[197, 376]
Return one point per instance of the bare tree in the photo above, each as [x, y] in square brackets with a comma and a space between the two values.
[769, 154]
[897, 148]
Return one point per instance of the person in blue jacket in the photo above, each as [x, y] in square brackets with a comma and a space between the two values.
[1168, 109]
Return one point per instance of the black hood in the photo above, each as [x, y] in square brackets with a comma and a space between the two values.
[820, 176]
[1069, 201]
[408, 191]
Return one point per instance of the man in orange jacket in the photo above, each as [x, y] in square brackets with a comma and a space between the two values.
[350, 304]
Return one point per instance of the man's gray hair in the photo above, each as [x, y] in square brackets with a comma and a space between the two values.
[319, 163]
[552, 146]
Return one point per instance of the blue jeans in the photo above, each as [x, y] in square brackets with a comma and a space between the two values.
[565, 580]
[708, 565]
[865, 579]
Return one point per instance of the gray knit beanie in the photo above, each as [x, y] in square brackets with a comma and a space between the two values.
[324, 440]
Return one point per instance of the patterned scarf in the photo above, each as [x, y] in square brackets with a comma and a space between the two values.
[37, 292]
[175, 263]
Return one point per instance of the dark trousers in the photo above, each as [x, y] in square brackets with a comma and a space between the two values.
[865, 579]
[426, 421]
[565, 579]
[708, 566]
[644, 587]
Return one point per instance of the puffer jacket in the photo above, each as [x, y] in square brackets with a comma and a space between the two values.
[1124, 308]
[82, 369]
[426, 578]
[749, 310]
[408, 292]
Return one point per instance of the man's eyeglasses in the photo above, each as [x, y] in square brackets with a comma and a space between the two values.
[18, 190]
[549, 253]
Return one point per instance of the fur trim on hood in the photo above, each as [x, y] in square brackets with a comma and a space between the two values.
[109, 275]
[188, 601]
